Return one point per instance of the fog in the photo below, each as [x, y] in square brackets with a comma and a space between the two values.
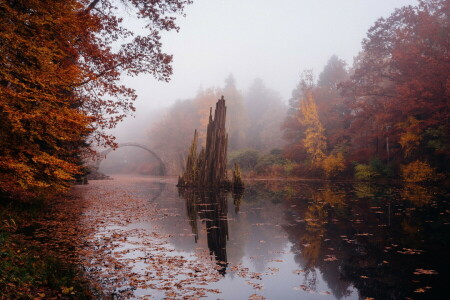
[270, 40]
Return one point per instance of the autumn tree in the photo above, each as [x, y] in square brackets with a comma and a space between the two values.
[332, 74]
[60, 69]
[400, 87]
[314, 140]
[293, 130]
[41, 123]
[331, 107]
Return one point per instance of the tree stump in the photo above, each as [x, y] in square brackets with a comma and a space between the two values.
[209, 168]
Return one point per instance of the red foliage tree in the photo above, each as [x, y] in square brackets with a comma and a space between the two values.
[401, 76]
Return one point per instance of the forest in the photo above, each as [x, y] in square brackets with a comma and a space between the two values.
[380, 123]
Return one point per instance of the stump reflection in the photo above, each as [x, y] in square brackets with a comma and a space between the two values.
[210, 207]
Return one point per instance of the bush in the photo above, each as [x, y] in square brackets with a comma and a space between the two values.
[271, 164]
[365, 172]
[246, 159]
[380, 168]
[333, 165]
[375, 169]
[269, 160]
[418, 171]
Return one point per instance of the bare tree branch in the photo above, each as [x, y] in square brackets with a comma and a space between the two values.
[91, 6]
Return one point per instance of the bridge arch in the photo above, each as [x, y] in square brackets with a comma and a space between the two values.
[102, 155]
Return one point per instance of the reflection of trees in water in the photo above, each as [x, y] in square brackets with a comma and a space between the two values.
[307, 228]
[417, 194]
[362, 241]
[211, 208]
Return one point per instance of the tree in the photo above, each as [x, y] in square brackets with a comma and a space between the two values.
[265, 114]
[333, 113]
[237, 120]
[333, 73]
[293, 131]
[303, 127]
[60, 68]
[315, 140]
[171, 134]
[403, 75]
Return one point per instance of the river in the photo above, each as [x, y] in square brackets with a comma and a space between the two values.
[143, 238]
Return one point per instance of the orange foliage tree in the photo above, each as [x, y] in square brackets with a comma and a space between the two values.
[60, 67]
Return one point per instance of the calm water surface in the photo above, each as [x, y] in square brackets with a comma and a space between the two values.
[277, 240]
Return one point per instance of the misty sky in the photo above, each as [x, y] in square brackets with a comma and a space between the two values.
[272, 40]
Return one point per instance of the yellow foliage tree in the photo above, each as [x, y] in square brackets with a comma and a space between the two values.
[315, 140]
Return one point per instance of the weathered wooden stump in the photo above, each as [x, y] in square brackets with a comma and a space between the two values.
[209, 168]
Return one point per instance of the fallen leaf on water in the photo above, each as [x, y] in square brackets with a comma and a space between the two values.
[330, 258]
[302, 287]
[256, 297]
[425, 272]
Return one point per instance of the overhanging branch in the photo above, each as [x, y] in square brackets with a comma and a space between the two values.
[91, 6]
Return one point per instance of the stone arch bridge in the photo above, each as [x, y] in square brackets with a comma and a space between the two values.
[95, 163]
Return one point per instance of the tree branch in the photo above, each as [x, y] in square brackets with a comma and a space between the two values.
[91, 6]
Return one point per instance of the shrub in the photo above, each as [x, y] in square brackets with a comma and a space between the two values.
[365, 172]
[418, 171]
[246, 159]
[380, 168]
[375, 169]
[274, 164]
[333, 165]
